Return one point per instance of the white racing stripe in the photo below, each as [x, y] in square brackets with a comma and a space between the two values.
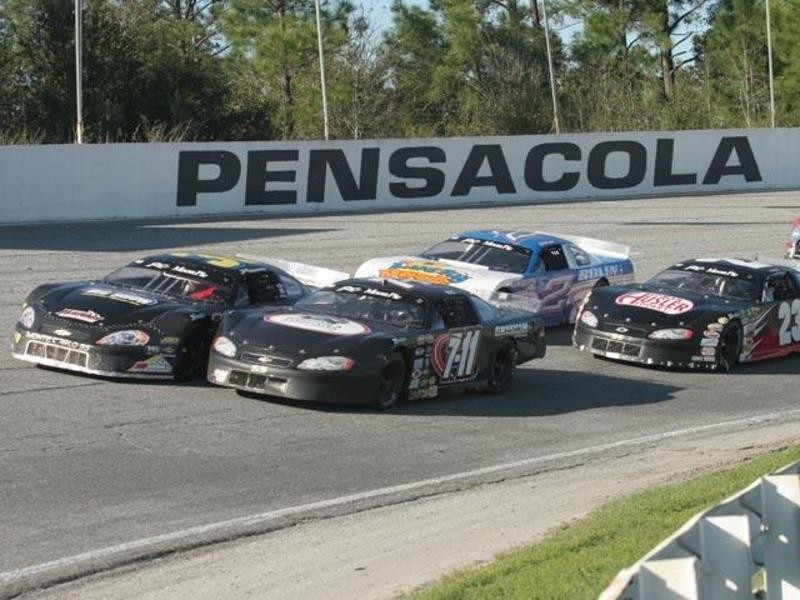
[148, 544]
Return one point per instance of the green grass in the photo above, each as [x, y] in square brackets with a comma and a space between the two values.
[580, 560]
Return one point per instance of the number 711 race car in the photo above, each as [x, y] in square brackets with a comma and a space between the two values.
[552, 271]
[374, 341]
[705, 313]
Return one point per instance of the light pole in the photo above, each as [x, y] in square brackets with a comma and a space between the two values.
[79, 70]
[322, 70]
[771, 77]
[556, 116]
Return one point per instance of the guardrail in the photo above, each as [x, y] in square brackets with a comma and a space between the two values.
[746, 547]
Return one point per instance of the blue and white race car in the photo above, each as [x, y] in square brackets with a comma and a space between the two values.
[553, 271]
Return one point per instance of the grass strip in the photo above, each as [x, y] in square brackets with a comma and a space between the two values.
[580, 560]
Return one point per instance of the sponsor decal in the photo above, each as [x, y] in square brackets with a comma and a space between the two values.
[668, 305]
[708, 351]
[62, 332]
[589, 273]
[87, 316]
[154, 364]
[318, 323]
[424, 271]
[710, 342]
[711, 270]
[711, 333]
[511, 329]
[170, 340]
[723, 320]
[17, 337]
[153, 349]
[121, 296]
[717, 327]
[58, 341]
[454, 355]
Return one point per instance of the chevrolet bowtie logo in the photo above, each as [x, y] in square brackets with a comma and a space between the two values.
[62, 333]
[622, 330]
[265, 360]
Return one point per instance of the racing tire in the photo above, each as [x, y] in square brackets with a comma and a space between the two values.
[192, 360]
[502, 368]
[391, 385]
[730, 346]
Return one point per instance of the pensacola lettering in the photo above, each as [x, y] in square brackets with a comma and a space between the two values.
[423, 171]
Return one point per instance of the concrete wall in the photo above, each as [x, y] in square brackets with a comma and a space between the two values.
[51, 183]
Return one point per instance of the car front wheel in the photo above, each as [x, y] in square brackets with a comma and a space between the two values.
[391, 383]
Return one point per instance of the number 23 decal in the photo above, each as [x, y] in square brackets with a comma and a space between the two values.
[789, 329]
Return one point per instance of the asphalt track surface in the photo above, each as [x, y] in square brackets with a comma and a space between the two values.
[87, 463]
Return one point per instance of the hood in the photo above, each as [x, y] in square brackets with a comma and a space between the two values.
[473, 278]
[104, 305]
[296, 334]
[657, 306]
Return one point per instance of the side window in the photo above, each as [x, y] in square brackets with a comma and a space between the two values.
[264, 287]
[780, 287]
[579, 257]
[553, 258]
[294, 289]
[457, 311]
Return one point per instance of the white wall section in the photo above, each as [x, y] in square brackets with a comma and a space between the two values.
[78, 182]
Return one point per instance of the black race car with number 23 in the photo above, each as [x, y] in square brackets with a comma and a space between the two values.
[154, 318]
[375, 341]
[705, 313]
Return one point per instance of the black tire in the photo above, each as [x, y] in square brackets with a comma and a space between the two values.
[502, 368]
[730, 346]
[192, 356]
[391, 386]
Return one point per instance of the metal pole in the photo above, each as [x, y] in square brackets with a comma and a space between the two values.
[322, 71]
[771, 77]
[556, 116]
[79, 70]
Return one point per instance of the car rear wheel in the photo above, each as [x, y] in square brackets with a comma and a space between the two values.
[192, 358]
[501, 371]
[730, 346]
[392, 381]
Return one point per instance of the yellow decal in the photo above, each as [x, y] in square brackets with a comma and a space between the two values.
[17, 337]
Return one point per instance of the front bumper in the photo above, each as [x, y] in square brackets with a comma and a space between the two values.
[671, 355]
[341, 387]
[69, 355]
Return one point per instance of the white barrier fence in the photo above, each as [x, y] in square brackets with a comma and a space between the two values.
[80, 182]
[746, 547]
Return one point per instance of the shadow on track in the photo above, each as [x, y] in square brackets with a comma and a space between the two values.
[133, 236]
[535, 393]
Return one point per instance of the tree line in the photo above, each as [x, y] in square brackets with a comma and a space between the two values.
[158, 70]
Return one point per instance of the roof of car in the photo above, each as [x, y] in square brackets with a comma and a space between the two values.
[415, 288]
[532, 241]
[737, 267]
[224, 262]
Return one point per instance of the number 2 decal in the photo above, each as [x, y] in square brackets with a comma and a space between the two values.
[455, 353]
[789, 329]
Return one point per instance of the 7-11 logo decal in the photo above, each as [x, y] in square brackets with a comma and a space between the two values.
[455, 353]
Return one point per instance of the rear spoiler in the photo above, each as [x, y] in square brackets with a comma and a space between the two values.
[600, 247]
[309, 275]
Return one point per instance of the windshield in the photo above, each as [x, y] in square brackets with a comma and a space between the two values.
[367, 304]
[494, 255]
[174, 280]
[709, 284]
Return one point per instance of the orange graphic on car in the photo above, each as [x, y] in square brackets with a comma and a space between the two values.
[425, 272]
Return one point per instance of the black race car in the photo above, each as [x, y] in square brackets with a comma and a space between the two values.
[708, 313]
[153, 318]
[375, 341]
